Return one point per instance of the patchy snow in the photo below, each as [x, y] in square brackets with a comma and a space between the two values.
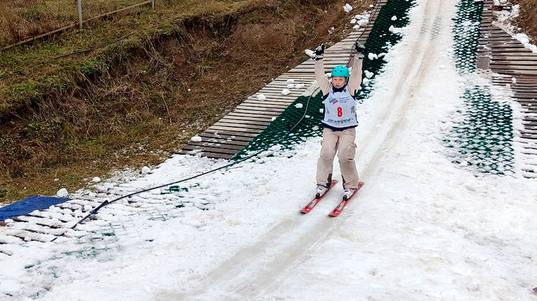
[347, 8]
[505, 20]
[299, 106]
[372, 56]
[261, 97]
[394, 29]
[62, 193]
[286, 92]
[361, 20]
[524, 39]
[196, 139]
[96, 180]
[422, 228]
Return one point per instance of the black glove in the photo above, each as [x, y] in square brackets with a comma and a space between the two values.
[358, 49]
[319, 52]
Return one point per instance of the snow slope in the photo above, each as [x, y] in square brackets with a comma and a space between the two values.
[421, 228]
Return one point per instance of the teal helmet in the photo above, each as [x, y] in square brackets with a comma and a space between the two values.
[340, 71]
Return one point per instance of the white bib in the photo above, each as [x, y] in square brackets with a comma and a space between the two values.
[340, 109]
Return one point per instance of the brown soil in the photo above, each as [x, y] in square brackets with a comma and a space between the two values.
[527, 20]
[149, 105]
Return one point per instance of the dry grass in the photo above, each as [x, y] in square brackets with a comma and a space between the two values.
[138, 111]
[22, 19]
[528, 17]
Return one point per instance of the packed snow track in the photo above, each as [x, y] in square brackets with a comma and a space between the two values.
[422, 228]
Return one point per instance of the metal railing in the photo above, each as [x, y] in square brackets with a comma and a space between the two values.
[23, 21]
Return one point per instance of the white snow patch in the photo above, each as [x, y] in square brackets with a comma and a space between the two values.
[524, 39]
[62, 193]
[196, 139]
[261, 97]
[286, 92]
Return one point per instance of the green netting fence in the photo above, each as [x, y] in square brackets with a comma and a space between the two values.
[393, 14]
[483, 138]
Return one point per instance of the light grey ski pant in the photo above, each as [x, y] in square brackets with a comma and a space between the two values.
[342, 143]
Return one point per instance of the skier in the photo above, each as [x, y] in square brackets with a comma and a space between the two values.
[339, 120]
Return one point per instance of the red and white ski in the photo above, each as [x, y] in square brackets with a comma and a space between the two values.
[339, 208]
[316, 200]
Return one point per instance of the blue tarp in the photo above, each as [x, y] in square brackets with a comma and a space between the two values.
[28, 205]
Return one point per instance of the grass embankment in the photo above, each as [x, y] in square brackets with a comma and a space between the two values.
[130, 90]
[23, 19]
[527, 20]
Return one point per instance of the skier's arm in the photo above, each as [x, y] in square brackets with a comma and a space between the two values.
[321, 78]
[355, 79]
[356, 74]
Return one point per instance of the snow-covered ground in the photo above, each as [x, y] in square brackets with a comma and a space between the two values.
[421, 228]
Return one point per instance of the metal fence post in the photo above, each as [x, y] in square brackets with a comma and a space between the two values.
[79, 9]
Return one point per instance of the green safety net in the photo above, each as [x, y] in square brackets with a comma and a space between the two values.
[394, 14]
[483, 137]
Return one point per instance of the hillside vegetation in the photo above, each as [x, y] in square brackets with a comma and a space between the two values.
[528, 17]
[129, 90]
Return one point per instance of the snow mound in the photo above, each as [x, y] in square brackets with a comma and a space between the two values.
[196, 139]
[62, 193]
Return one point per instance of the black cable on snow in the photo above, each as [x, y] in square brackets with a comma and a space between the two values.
[106, 202]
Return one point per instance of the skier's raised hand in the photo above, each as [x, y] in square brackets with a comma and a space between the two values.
[358, 49]
[319, 52]
[316, 53]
